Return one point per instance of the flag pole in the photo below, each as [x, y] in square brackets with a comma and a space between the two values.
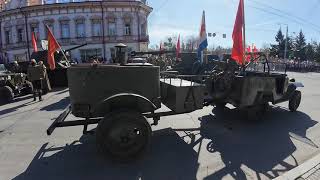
[64, 55]
[244, 35]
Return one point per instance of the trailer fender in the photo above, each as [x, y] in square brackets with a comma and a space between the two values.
[126, 101]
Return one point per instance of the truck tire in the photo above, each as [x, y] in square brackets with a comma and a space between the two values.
[294, 101]
[123, 135]
[6, 94]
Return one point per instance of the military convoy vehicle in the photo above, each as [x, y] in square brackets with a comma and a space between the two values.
[13, 85]
[253, 87]
[120, 97]
[57, 77]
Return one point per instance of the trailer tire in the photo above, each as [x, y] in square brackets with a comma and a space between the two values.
[294, 101]
[123, 135]
[6, 94]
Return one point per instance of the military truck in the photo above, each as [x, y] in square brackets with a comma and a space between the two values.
[13, 85]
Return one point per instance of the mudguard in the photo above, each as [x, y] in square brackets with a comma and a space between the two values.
[127, 101]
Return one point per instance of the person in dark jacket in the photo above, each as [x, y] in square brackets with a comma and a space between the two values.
[36, 74]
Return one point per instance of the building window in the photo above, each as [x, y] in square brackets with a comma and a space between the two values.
[143, 29]
[65, 31]
[112, 29]
[20, 34]
[7, 36]
[96, 28]
[80, 30]
[113, 53]
[127, 29]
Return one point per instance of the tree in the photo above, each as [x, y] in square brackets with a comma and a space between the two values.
[310, 52]
[168, 44]
[317, 52]
[191, 43]
[300, 46]
[278, 49]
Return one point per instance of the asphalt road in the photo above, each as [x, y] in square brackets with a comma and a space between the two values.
[200, 145]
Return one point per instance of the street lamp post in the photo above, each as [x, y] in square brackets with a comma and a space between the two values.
[286, 45]
[286, 42]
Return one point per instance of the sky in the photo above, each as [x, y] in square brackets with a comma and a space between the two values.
[263, 19]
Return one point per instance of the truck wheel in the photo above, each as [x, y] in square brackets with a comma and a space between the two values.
[294, 101]
[123, 135]
[6, 94]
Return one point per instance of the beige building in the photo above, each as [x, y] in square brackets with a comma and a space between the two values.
[101, 24]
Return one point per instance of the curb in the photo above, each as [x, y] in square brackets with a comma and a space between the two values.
[302, 171]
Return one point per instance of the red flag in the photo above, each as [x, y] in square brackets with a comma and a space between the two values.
[161, 47]
[237, 36]
[248, 57]
[34, 42]
[178, 48]
[52, 48]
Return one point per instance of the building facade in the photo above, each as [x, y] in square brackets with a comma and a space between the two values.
[99, 24]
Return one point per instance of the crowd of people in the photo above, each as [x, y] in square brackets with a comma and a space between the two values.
[298, 65]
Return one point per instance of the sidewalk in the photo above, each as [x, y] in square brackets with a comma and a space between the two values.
[309, 170]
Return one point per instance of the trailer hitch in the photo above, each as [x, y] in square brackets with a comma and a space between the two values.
[59, 120]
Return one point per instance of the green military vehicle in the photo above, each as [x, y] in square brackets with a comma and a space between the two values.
[13, 85]
[120, 97]
[253, 87]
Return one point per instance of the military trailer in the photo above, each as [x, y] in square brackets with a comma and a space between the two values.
[13, 85]
[120, 97]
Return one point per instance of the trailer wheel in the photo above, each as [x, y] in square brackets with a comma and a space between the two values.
[6, 94]
[123, 135]
[294, 101]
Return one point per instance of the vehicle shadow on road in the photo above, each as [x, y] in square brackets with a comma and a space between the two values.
[259, 145]
[168, 158]
[17, 99]
[15, 108]
[60, 105]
